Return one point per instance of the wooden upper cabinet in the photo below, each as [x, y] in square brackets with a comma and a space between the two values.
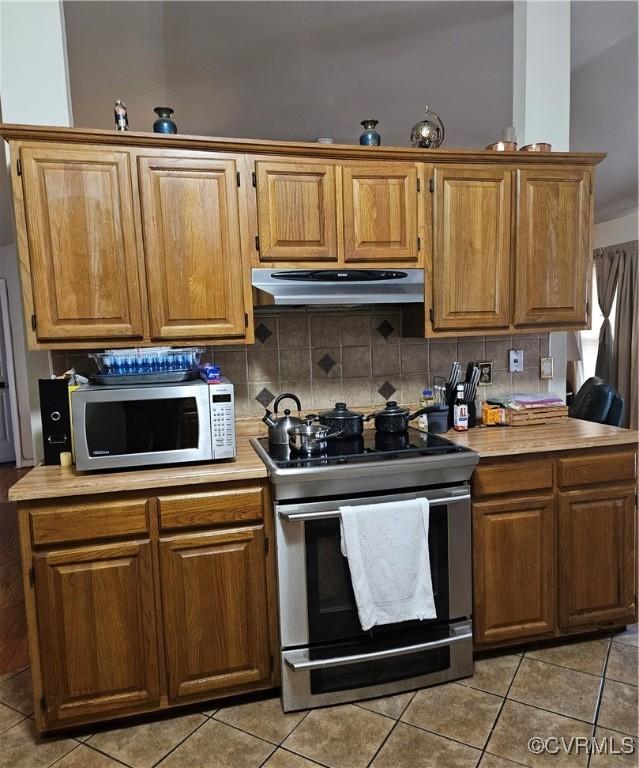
[296, 205]
[192, 245]
[471, 247]
[513, 568]
[83, 256]
[380, 212]
[552, 263]
[597, 543]
[215, 615]
[96, 619]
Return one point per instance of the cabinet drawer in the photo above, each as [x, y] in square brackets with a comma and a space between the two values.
[85, 521]
[512, 477]
[240, 504]
[590, 470]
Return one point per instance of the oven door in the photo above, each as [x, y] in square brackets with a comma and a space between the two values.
[317, 604]
[141, 426]
[354, 670]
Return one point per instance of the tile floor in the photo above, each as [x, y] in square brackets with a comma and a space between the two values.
[579, 689]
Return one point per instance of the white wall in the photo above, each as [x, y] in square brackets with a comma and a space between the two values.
[33, 89]
[541, 102]
[618, 230]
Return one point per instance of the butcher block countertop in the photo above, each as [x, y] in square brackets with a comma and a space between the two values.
[50, 482]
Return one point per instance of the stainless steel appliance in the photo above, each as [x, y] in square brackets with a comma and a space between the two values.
[326, 658]
[340, 286]
[144, 425]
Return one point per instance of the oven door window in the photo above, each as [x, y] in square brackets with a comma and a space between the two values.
[377, 672]
[332, 611]
[141, 426]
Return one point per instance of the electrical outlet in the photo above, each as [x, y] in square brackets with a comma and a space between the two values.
[516, 361]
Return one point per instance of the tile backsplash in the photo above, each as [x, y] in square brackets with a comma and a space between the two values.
[356, 355]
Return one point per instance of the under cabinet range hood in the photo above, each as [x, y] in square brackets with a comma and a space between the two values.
[340, 286]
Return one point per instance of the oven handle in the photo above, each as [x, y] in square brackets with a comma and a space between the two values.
[292, 517]
[340, 661]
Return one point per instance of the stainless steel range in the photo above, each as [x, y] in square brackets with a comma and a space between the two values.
[326, 657]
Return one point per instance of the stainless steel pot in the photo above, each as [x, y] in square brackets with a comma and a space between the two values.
[310, 436]
[394, 418]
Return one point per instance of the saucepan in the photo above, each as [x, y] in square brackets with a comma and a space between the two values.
[310, 436]
[394, 418]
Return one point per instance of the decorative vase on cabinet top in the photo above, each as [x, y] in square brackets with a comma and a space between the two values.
[429, 132]
[164, 124]
[370, 137]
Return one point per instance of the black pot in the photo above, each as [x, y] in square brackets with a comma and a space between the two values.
[340, 419]
[394, 418]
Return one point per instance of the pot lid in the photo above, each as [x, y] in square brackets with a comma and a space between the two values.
[393, 409]
[341, 412]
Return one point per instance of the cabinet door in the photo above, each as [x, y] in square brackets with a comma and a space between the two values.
[514, 568]
[596, 556]
[97, 625]
[215, 612]
[82, 244]
[552, 268]
[190, 212]
[471, 247]
[380, 212]
[296, 204]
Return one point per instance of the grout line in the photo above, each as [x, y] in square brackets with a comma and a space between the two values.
[179, 744]
[600, 696]
[57, 760]
[501, 709]
[106, 754]
[561, 666]
[379, 749]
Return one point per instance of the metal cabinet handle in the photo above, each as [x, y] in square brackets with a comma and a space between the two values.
[341, 661]
[302, 516]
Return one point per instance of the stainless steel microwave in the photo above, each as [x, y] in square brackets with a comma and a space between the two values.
[151, 424]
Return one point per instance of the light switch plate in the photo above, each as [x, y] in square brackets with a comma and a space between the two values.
[545, 368]
[516, 360]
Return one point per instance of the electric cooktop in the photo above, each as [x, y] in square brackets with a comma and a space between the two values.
[370, 447]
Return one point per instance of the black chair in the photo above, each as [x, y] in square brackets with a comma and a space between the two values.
[597, 401]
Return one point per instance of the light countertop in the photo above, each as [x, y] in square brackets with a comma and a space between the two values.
[49, 482]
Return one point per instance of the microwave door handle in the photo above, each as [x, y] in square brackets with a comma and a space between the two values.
[293, 517]
[341, 661]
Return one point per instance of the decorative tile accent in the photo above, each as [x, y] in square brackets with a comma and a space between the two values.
[387, 390]
[262, 333]
[264, 397]
[326, 363]
[385, 328]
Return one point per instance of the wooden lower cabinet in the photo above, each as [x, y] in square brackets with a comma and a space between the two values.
[97, 631]
[596, 556]
[556, 561]
[215, 610]
[179, 609]
[514, 568]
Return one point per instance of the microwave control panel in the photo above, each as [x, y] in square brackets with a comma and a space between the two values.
[222, 420]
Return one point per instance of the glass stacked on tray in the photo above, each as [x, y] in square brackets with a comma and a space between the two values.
[146, 365]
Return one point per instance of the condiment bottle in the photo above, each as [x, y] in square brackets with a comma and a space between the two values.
[460, 411]
[121, 117]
